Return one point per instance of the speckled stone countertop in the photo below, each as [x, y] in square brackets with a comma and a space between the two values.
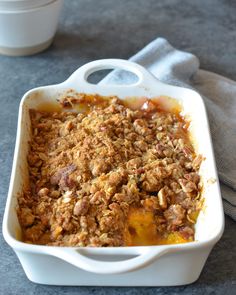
[90, 30]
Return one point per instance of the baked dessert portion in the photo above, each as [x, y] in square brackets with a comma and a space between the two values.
[119, 173]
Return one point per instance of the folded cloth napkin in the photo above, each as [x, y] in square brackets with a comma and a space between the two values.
[182, 69]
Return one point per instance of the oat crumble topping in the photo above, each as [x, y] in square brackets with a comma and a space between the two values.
[110, 176]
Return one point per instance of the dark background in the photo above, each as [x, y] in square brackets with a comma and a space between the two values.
[92, 29]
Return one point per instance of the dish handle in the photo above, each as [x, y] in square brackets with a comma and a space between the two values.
[80, 259]
[81, 75]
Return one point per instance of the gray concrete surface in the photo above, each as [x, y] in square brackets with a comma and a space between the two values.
[89, 30]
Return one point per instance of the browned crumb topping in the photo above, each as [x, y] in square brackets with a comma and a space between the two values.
[110, 176]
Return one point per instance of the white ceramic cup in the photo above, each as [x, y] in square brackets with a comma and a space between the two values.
[27, 27]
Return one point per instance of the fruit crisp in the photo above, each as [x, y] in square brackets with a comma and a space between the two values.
[114, 174]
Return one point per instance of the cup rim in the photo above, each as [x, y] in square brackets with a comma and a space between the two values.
[22, 5]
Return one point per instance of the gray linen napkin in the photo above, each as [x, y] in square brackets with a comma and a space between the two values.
[182, 69]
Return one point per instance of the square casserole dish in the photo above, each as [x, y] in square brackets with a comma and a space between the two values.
[164, 265]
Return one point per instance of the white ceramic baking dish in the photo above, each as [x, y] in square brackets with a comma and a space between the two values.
[119, 266]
